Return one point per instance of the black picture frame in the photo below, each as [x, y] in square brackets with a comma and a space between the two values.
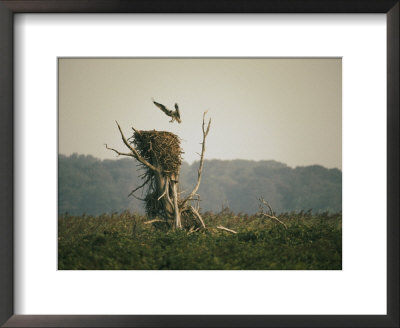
[10, 7]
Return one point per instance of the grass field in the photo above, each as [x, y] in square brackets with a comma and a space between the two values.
[124, 242]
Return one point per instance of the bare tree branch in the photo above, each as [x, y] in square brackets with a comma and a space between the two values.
[142, 199]
[270, 216]
[197, 214]
[141, 186]
[118, 153]
[134, 130]
[135, 153]
[203, 149]
[274, 218]
[163, 194]
[262, 201]
[226, 229]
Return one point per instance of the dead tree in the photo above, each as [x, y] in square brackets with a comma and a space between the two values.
[271, 214]
[159, 154]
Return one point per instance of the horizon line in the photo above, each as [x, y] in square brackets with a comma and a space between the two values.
[190, 163]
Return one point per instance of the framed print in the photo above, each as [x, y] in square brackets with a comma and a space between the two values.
[270, 75]
[221, 179]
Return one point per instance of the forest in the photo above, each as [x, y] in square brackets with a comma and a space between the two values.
[87, 185]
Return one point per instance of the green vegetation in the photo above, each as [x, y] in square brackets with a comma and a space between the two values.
[89, 185]
[124, 242]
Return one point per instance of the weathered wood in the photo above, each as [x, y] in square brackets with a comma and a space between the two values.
[177, 213]
[134, 151]
[226, 229]
[272, 217]
[272, 214]
[153, 221]
[162, 187]
[162, 179]
[200, 170]
[197, 215]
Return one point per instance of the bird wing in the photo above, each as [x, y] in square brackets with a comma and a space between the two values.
[177, 110]
[163, 108]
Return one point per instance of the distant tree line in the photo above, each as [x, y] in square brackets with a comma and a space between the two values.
[92, 186]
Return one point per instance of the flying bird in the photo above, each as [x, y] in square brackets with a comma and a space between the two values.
[174, 114]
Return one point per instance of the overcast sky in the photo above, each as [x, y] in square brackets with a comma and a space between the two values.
[288, 110]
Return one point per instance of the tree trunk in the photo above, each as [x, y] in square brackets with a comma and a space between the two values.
[162, 187]
[167, 194]
[177, 214]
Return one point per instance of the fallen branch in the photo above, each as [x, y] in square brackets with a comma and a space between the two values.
[226, 229]
[193, 229]
[155, 220]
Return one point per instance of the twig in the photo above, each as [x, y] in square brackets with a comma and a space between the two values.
[137, 131]
[142, 199]
[141, 186]
[118, 153]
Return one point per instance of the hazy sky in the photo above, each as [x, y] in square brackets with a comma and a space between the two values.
[289, 110]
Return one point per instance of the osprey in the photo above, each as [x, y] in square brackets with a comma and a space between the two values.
[174, 114]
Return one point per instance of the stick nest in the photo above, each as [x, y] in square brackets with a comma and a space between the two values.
[160, 148]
